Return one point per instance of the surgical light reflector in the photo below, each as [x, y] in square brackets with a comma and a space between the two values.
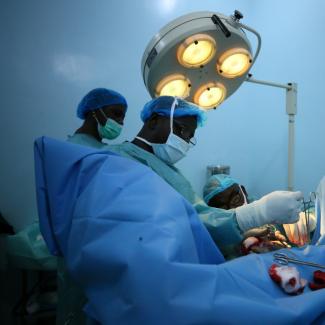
[196, 51]
[210, 95]
[234, 63]
[173, 85]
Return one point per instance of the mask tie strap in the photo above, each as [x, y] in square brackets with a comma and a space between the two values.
[242, 192]
[175, 102]
[144, 140]
[101, 111]
[94, 116]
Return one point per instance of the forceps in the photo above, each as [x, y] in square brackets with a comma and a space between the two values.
[307, 205]
[285, 260]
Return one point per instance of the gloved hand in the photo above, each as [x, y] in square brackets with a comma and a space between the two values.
[277, 208]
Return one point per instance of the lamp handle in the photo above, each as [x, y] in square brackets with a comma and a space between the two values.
[218, 22]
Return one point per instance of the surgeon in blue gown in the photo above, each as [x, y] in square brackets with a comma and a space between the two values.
[165, 138]
[102, 111]
[141, 254]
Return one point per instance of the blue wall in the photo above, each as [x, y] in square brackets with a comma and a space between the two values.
[53, 52]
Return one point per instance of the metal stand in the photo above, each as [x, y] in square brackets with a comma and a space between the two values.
[291, 110]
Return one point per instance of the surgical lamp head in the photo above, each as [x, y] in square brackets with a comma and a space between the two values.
[202, 57]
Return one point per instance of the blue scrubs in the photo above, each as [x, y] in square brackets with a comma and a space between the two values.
[221, 224]
[129, 240]
[71, 297]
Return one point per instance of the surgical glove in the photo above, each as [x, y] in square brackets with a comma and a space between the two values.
[277, 207]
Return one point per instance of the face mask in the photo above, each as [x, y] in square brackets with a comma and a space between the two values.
[110, 130]
[175, 147]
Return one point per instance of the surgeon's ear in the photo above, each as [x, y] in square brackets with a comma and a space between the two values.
[90, 115]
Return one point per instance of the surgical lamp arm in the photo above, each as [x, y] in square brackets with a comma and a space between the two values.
[235, 21]
[259, 40]
[291, 110]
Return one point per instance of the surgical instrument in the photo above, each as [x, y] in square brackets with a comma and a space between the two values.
[285, 260]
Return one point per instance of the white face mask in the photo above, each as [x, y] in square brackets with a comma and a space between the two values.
[175, 147]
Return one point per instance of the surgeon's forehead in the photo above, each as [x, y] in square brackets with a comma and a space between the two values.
[189, 120]
[114, 106]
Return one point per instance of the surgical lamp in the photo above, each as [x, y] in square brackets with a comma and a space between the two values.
[204, 57]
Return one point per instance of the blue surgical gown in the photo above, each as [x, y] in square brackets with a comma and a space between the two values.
[221, 224]
[71, 296]
[133, 243]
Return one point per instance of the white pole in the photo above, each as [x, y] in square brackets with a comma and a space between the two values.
[291, 110]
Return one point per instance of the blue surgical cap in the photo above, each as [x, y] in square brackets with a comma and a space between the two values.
[98, 98]
[217, 184]
[163, 104]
